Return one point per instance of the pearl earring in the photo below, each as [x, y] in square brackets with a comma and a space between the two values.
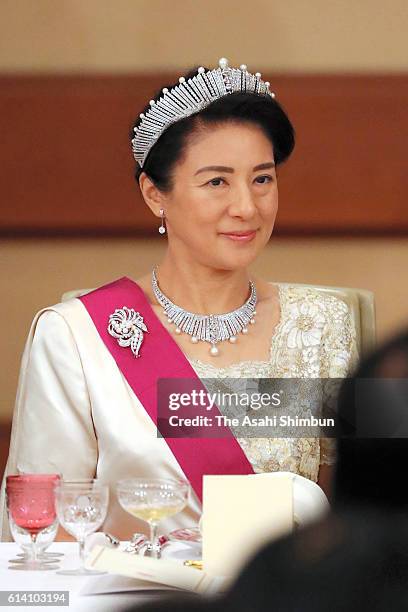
[162, 229]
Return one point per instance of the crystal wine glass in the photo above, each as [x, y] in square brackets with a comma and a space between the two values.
[152, 499]
[32, 516]
[44, 539]
[81, 508]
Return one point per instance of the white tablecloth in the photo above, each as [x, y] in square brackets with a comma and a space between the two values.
[18, 580]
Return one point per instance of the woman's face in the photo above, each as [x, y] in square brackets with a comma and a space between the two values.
[226, 182]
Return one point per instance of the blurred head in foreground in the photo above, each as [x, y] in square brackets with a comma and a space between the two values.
[371, 467]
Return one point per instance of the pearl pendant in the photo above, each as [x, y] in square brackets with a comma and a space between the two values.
[244, 330]
[213, 350]
[169, 320]
[252, 321]
[233, 339]
[177, 330]
[194, 340]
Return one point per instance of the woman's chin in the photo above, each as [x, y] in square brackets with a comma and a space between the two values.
[234, 260]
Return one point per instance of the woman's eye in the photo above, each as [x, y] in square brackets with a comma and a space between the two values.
[262, 180]
[216, 182]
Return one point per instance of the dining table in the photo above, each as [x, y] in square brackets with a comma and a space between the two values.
[97, 593]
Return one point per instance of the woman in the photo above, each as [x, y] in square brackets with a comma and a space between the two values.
[206, 151]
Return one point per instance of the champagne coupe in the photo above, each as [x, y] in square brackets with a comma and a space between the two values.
[32, 516]
[152, 499]
[81, 508]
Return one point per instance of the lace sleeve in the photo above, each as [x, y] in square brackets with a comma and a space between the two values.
[341, 358]
[340, 344]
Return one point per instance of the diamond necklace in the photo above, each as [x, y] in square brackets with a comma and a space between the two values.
[208, 328]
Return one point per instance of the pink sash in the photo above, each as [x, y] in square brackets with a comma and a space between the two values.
[161, 357]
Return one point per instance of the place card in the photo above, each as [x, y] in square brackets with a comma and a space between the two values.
[240, 515]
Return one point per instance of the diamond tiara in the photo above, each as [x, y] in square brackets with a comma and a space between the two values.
[190, 97]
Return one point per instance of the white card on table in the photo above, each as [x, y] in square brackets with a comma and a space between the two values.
[241, 514]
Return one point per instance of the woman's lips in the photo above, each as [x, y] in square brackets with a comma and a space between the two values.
[245, 237]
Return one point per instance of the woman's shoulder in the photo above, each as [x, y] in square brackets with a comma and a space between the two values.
[309, 299]
[71, 316]
[68, 317]
[71, 307]
[321, 322]
[59, 312]
[54, 326]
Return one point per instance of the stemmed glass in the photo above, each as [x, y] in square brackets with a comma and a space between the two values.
[44, 539]
[152, 499]
[81, 508]
[32, 517]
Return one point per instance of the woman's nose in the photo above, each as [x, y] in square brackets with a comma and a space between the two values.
[243, 204]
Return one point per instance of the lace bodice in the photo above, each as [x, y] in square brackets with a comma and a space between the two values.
[315, 338]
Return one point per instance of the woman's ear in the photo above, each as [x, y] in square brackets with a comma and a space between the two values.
[153, 197]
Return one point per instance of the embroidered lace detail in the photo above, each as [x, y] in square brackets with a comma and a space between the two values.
[315, 338]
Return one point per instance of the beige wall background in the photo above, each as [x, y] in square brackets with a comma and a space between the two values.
[129, 35]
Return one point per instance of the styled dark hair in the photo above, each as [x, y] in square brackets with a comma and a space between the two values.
[263, 111]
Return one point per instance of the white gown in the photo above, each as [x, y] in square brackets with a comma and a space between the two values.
[76, 415]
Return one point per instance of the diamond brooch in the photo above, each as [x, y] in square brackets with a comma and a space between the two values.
[127, 326]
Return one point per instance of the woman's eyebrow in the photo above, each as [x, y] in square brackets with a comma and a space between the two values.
[264, 166]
